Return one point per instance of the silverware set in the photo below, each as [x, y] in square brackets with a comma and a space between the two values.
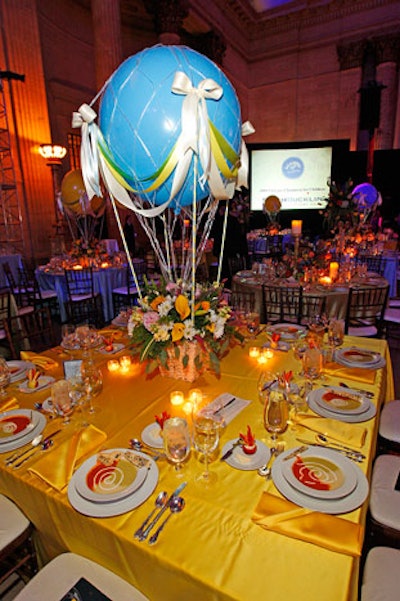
[352, 454]
[37, 444]
[175, 503]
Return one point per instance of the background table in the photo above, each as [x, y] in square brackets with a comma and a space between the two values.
[212, 551]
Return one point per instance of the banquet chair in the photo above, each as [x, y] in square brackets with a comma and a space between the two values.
[312, 305]
[17, 553]
[73, 576]
[236, 263]
[374, 263]
[30, 331]
[383, 524]
[23, 294]
[389, 428]
[365, 310]
[83, 304]
[38, 297]
[125, 296]
[380, 580]
[282, 303]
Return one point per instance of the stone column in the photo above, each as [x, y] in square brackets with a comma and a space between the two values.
[106, 15]
[388, 56]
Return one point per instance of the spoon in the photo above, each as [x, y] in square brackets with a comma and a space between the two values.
[265, 470]
[137, 445]
[176, 505]
[324, 440]
[160, 502]
[34, 443]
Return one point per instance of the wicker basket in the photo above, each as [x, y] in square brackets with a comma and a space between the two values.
[175, 365]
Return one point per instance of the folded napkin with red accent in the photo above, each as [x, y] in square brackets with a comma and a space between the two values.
[41, 361]
[328, 531]
[57, 465]
[9, 404]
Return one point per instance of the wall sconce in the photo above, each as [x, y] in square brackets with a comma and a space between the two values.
[53, 155]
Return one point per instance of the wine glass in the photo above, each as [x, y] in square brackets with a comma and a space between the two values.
[68, 336]
[253, 323]
[62, 401]
[176, 436]
[206, 438]
[275, 414]
[312, 363]
[299, 347]
[335, 334]
[265, 381]
[92, 381]
[4, 378]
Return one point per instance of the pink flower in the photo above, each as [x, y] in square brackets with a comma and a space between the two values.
[149, 319]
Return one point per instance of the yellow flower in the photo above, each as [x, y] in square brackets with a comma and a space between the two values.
[211, 327]
[182, 306]
[177, 331]
[157, 301]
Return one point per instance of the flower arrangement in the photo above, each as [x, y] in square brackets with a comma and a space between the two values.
[167, 323]
[85, 248]
[341, 206]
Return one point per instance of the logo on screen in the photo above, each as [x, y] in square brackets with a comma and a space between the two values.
[293, 167]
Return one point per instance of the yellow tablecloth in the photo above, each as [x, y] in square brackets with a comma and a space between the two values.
[212, 550]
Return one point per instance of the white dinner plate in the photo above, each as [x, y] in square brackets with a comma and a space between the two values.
[43, 382]
[338, 399]
[103, 510]
[331, 506]
[281, 345]
[342, 417]
[358, 357]
[18, 369]
[108, 477]
[320, 473]
[151, 435]
[39, 423]
[117, 347]
[241, 461]
[287, 331]
[15, 424]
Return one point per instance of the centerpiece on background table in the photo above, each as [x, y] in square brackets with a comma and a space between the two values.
[179, 336]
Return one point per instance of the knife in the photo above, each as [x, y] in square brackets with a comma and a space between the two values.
[47, 443]
[367, 393]
[224, 406]
[176, 492]
[341, 448]
[229, 452]
[13, 458]
[295, 452]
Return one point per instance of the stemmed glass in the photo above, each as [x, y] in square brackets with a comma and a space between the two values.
[206, 438]
[335, 334]
[176, 437]
[62, 400]
[312, 363]
[299, 347]
[92, 381]
[275, 413]
[253, 324]
[4, 378]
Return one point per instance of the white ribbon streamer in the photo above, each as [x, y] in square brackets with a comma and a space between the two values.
[243, 172]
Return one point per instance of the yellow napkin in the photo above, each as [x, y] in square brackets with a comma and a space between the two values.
[57, 466]
[8, 404]
[116, 334]
[351, 373]
[40, 360]
[349, 434]
[328, 531]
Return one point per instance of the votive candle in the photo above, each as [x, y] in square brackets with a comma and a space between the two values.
[113, 365]
[125, 362]
[195, 396]
[297, 225]
[254, 352]
[333, 270]
[176, 398]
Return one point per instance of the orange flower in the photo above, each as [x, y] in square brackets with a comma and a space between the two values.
[177, 331]
[156, 302]
[182, 306]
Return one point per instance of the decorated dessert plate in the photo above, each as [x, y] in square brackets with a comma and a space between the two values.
[42, 382]
[242, 461]
[152, 436]
[287, 331]
[315, 404]
[14, 434]
[18, 369]
[118, 506]
[115, 348]
[334, 506]
[338, 399]
[358, 357]
[320, 473]
[111, 476]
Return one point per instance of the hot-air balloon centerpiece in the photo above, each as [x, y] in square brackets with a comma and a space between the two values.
[168, 146]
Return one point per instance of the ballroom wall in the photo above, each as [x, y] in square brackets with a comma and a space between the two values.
[297, 75]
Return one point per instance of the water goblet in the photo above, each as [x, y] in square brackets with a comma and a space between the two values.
[4, 378]
[206, 438]
[335, 334]
[68, 337]
[312, 363]
[176, 436]
[253, 324]
[92, 382]
[265, 381]
[275, 414]
[62, 401]
[299, 347]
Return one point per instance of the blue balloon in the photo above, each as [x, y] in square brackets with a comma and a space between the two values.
[140, 119]
[366, 195]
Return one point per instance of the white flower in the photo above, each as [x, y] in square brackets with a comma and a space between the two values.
[190, 331]
[161, 333]
[165, 307]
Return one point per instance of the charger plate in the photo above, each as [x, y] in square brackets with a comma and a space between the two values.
[342, 417]
[358, 357]
[39, 423]
[344, 401]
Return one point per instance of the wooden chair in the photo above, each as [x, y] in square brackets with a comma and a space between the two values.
[30, 331]
[365, 311]
[83, 303]
[73, 576]
[125, 296]
[282, 303]
[374, 263]
[236, 263]
[23, 293]
[37, 297]
[381, 575]
[17, 553]
[312, 305]
[384, 503]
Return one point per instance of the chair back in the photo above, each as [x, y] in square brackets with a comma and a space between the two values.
[79, 283]
[366, 307]
[282, 303]
[140, 270]
[236, 263]
[5, 304]
[312, 305]
[374, 263]
[30, 331]
[10, 278]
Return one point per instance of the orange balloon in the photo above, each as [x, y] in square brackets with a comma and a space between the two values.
[72, 189]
